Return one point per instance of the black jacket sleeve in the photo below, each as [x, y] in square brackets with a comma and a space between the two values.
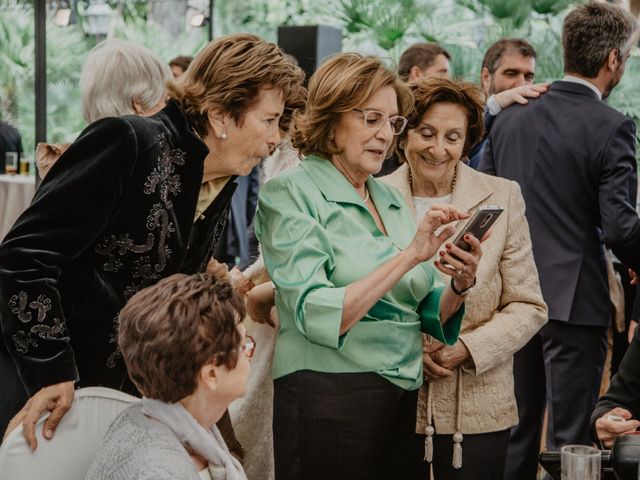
[69, 211]
[617, 195]
[624, 390]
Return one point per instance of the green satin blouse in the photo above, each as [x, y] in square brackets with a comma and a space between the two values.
[317, 237]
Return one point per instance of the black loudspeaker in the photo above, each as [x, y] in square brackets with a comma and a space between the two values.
[310, 45]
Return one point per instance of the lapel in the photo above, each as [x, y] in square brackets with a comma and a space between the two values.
[336, 188]
[470, 189]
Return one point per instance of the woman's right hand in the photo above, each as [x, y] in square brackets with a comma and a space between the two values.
[425, 243]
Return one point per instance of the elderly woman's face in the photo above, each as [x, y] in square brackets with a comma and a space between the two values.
[435, 146]
[253, 138]
[364, 148]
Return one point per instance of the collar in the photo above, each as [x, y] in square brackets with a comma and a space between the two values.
[336, 188]
[582, 81]
[470, 189]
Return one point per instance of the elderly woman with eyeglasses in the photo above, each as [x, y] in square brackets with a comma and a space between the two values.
[353, 289]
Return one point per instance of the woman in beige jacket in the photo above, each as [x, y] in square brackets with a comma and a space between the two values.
[468, 391]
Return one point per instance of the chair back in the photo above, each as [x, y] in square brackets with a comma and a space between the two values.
[70, 453]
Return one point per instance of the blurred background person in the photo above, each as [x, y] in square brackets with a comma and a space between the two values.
[179, 65]
[468, 399]
[424, 60]
[507, 74]
[186, 351]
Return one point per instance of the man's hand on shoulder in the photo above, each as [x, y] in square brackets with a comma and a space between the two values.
[56, 398]
[614, 423]
[520, 94]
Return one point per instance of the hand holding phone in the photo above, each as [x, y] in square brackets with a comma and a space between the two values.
[478, 225]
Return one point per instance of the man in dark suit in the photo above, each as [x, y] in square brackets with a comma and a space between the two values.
[574, 158]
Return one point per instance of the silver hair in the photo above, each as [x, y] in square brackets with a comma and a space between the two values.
[115, 74]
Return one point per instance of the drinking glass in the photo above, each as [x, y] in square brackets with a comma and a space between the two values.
[11, 162]
[580, 462]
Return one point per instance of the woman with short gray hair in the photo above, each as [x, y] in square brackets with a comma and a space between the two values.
[122, 78]
[118, 78]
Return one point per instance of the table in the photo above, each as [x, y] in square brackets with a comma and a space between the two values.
[16, 192]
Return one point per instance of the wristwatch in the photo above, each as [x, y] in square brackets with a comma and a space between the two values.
[464, 292]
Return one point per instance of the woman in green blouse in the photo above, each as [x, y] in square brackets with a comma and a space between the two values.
[353, 291]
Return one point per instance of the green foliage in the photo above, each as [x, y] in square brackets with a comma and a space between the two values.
[383, 27]
[65, 52]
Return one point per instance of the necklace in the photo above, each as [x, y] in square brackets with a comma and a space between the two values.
[453, 182]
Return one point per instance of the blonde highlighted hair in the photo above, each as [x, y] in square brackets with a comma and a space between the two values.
[227, 76]
[342, 83]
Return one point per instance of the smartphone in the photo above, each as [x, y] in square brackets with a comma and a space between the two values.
[479, 224]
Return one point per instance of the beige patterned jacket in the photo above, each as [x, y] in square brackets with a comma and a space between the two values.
[503, 311]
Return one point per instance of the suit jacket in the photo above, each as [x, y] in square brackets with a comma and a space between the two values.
[574, 159]
[503, 311]
[114, 215]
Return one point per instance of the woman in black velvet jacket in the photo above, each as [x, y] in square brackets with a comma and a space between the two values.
[132, 200]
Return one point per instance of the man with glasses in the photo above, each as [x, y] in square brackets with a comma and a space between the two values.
[574, 158]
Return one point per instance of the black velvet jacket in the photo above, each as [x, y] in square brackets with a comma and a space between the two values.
[115, 214]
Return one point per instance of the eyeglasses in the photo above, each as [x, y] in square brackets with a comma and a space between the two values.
[248, 347]
[375, 120]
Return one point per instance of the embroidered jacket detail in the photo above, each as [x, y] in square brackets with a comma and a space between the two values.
[18, 304]
[112, 360]
[121, 244]
[162, 177]
[164, 183]
[24, 339]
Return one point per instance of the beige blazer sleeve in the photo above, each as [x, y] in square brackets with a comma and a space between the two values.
[521, 310]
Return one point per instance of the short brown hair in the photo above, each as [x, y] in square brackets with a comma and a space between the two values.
[181, 61]
[421, 55]
[589, 34]
[227, 75]
[497, 50]
[169, 331]
[429, 91]
[342, 83]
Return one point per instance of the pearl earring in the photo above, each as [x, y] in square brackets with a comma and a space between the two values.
[223, 136]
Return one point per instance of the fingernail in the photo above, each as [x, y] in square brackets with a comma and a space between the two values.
[466, 237]
[448, 246]
[48, 434]
[441, 253]
[436, 262]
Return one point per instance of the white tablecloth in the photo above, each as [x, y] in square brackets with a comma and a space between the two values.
[16, 192]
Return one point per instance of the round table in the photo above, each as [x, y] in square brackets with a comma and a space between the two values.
[16, 192]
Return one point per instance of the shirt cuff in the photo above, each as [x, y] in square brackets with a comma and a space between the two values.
[323, 316]
[493, 106]
[429, 311]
